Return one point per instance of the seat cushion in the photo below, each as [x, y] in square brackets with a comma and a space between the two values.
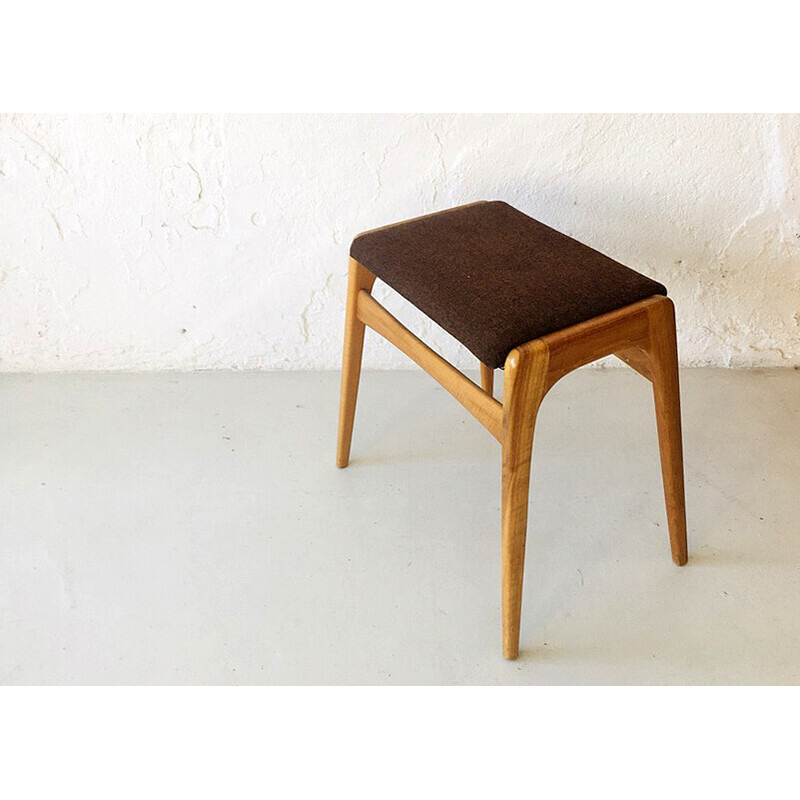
[495, 278]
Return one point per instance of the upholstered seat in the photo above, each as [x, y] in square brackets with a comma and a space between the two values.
[495, 278]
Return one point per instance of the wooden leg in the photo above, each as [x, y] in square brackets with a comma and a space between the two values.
[523, 389]
[663, 352]
[359, 278]
[487, 378]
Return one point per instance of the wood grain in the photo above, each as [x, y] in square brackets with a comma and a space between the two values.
[487, 379]
[663, 352]
[359, 279]
[524, 387]
[482, 406]
[581, 344]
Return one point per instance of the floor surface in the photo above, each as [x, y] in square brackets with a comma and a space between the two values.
[192, 529]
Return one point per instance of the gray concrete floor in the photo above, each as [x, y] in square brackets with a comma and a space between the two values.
[192, 529]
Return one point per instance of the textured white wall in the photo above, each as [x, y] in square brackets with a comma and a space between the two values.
[182, 242]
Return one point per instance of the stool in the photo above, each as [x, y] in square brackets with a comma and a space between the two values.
[523, 297]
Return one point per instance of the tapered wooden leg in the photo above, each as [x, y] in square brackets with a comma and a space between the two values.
[663, 352]
[487, 378]
[359, 278]
[523, 389]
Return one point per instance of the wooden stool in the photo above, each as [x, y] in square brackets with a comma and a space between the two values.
[525, 297]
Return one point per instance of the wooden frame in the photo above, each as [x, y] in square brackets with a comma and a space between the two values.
[642, 335]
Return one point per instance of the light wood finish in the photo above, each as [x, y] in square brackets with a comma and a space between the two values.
[642, 335]
[524, 387]
[482, 406]
[663, 357]
[359, 279]
[581, 344]
[487, 379]
[636, 359]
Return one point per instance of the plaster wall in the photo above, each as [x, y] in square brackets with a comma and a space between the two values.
[151, 242]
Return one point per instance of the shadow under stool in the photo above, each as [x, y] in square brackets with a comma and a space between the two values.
[534, 302]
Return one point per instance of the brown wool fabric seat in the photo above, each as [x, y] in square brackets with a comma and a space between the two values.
[495, 278]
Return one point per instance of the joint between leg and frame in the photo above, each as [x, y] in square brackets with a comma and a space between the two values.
[479, 403]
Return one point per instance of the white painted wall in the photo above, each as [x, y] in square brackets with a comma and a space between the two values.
[181, 242]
